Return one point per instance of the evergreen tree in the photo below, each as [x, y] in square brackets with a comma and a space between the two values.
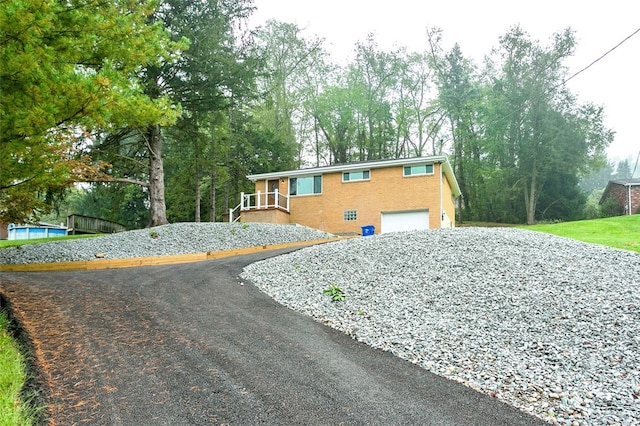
[67, 68]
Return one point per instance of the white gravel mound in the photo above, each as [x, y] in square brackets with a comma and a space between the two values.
[547, 324]
[177, 238]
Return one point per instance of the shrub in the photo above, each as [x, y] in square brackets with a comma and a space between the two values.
[611, 207]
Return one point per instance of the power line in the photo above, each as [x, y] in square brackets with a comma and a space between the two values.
[609, 51]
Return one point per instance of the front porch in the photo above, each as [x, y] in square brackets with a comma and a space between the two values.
[264, 207]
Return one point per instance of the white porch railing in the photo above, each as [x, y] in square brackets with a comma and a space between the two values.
[259, 200]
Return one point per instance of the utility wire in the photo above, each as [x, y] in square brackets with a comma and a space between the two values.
[609, 51]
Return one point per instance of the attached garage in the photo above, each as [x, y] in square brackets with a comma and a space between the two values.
[411, 220]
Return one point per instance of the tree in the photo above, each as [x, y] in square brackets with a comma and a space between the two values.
[623, 170]
[376, 72]
[418, 117]
[460, 98]
[66, 69]
[597, 180]
[215, 75]
[337, 113]
[537, 130]
[289, 60]
[212, 72]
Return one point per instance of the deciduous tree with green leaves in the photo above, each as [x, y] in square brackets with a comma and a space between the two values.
[538, 130]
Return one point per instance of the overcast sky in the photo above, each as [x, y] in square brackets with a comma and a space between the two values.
[476, 25]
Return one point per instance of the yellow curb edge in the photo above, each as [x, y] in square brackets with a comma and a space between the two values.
[89, 265]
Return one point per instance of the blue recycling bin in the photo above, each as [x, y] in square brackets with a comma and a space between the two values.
[368, 230]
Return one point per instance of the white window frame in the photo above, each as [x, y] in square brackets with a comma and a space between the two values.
[351, 179]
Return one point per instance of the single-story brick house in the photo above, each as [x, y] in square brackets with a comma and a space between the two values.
[390, 195]
[626, 192]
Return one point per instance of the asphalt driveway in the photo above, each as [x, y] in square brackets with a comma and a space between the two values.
[189, 345]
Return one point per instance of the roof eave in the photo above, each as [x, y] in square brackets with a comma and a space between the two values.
[345, 167]
[451, 177]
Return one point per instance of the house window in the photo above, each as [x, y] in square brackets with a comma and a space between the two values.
[305, 185]
[354, 176]
[422, 169]
[350, 215]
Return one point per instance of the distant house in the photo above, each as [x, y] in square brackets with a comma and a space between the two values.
[626, 192]
[388, 195]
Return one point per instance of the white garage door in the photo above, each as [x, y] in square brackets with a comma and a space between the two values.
[405, 221]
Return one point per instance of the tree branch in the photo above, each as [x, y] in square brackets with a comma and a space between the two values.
[119, 180]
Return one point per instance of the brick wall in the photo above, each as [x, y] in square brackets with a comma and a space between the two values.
[620, 193]
[271, 215]
[387, 190]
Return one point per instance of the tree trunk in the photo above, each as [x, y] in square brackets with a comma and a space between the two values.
[157, 207]
[198, 195]
[530, 195]
[197, 183]
[212, 196]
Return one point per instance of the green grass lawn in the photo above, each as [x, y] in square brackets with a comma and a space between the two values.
[14, 243]
[13, 374]
[620, 232]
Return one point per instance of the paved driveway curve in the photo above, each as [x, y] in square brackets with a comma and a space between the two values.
[189, 345]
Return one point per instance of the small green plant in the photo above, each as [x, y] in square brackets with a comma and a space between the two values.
[361, 312]
[335, 293]
[154, 234]
[245, 226]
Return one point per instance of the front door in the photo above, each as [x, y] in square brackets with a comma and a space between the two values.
[273, 186]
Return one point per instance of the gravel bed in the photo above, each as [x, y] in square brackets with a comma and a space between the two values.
[547, 324]
[178, 238]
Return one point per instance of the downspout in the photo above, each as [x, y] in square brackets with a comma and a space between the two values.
[441, 205]
[629, 199]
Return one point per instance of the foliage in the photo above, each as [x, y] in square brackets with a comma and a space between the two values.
[592, 208]
[538, 131]
[620, 232]
[519, 141]
[286, 83]
[213, 74]
[335, 293]
[623, 170]
[597, 179]
[14, 410]
[562, 198]
[112, 201]
[518, 134]
[68, 68]
[611, 207]
[460, 96]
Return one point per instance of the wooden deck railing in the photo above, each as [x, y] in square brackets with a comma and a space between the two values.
[259, 200]
[79, 224]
